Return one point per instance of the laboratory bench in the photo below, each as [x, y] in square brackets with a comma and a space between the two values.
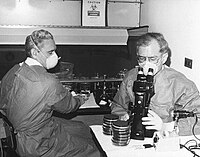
[170, 147]
[91, 112]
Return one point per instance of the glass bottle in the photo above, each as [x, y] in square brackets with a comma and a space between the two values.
[97, 92]
[113, 90]
[104, 98]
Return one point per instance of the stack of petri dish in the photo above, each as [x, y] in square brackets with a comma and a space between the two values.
[121, 133]
[107, 123]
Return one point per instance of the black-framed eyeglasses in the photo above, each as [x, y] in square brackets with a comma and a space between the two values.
[153, 59]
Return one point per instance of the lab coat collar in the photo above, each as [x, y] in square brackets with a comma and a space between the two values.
[30, 61]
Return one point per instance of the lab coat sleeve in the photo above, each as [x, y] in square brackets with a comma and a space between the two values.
[124, 96]
[188, 96]
[61, 100]
[67, 104]
[189, 100]
[119, 105]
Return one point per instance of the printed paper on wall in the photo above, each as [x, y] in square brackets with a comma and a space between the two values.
[94, 12]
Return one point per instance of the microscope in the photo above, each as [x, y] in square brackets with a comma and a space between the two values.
[143, 89]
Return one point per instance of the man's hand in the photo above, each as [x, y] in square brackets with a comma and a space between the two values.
[124, 117]
[153, 121]
[85, 97]
[82, 96]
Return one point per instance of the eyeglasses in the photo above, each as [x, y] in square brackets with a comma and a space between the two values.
[153, 59]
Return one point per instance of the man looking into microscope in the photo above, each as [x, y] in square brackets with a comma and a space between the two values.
[172, 89]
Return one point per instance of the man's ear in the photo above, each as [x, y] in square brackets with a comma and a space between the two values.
[164, 58]
[34, 53]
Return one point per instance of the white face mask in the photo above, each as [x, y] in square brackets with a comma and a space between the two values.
[52, 61]
[148, 65]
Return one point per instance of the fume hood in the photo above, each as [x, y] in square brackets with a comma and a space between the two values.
[72, 35]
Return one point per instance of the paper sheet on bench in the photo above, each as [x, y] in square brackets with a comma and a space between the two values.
[90, 103]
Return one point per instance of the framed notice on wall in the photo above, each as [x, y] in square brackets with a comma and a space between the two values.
[94, 13]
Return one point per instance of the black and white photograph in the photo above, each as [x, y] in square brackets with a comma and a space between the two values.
[99, 78]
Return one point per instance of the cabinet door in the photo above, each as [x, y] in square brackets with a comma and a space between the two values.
[123, 13]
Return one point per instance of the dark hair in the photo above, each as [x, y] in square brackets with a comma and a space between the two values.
[35, 39]
[147, 38]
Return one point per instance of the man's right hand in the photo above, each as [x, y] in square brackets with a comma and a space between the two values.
[85, 97]
[124, 117]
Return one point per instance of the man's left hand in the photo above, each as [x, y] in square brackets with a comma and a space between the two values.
[153, 121]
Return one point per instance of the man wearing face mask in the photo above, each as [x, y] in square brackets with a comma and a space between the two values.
[172, 89]
[28, 96]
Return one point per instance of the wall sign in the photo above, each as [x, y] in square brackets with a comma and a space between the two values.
[94, 13]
